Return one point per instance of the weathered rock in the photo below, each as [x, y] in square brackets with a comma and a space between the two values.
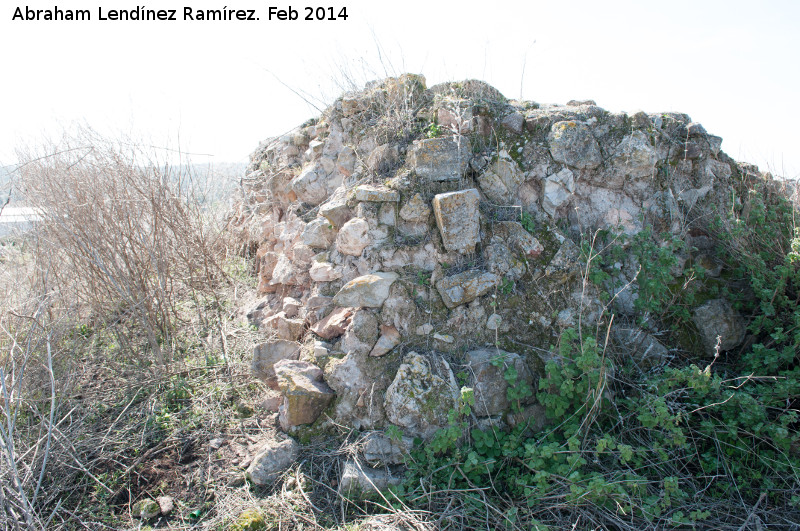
[311, 185]
[360, 481]
[635, 157]
[440, 159]
[362, 334]
[324, 272]
[367, 192]
[334, 324]
[146, 509]
[305, 395]
[645, 350]
[493, 322]
[291, 306]
[416, 210]
[465, 287]
[518, 238]
[285, 328]
[399, 310]
[457, 217]
[335, 209]
[488, 368]
[353, 237]
[422, 393]
[272, 460]
[573, 144]
[166, 504]
[717, 318]
[283, 272]
[388, 339]
[381, 450]
[318, 233]
[558, 188]
[514, 122]
[266, 355]
[501, 179]
[367, 291]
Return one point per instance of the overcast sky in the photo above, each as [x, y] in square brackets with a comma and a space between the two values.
[215, 89]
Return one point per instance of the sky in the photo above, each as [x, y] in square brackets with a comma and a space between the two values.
[212, 90]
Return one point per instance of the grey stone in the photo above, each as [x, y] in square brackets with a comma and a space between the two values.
[487, 369]
[558, 188]
[305, 395]
[367, 192]
[324, 272]
[388, 339]
[360, 482]
[465, 287]
[318, 233]
[501, 180]
[335, 209]
[266, 355]
[367, 291]
[381, 450]
[645, 349]
[718, 318]
[272, 460]
[514, 122]
[440, 159]
[421, 394]
[416, 210]
[573, 144]
[457, 217]
[353, 237]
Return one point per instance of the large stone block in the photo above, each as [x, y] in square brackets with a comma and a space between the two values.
[440, 159]
[266, 355]
[465, 287]
[458, 219]
[305, 395]
[573, 144]
[367, 291]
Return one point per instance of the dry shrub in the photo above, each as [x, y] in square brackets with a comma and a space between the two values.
[122, 233]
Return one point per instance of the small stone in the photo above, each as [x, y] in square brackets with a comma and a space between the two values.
[458, 219]
[266, 355]
[718, 318]
[388, 339]
[324, 272]
[502, 179]
[271, 401]
[421, 394]
[367, 291]
[310, 186]
[285, 328]
[416, 210]
[573, 144]
[695, 129]
[367, 192]
[381, 450]
[291, 306]
[318, 234]
[424, 330]
[514, 122]
[166, 503]
[305, 395]
[465, 287]
[487, 368]
[440, 159]
[334, 324]
[558, 188]
[353, 237]
[362, 482]
[273, 459]
[493, 323]
[444, 338]
[335, 209]
[216, 443]
[146, 509]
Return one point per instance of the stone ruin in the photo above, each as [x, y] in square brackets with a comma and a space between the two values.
[414, 240]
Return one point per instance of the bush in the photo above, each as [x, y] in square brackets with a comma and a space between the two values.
[121, 232]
